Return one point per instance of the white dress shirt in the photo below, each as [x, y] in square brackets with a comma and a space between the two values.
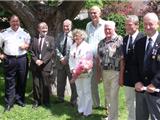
[13, 40]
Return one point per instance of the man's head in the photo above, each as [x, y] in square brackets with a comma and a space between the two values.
[67, 25]
[109, 29]
[42, 29]
[95, 13]
[131, 24]
[14, 22]
[151, 23]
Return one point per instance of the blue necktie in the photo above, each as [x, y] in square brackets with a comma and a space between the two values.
[146, 57]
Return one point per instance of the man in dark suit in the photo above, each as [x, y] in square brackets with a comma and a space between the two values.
[133, 35]
[147, 70]
[42, 51]
[64, 41]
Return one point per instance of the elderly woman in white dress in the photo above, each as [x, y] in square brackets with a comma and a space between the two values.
[81, 62]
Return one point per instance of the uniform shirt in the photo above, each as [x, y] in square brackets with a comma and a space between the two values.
[78, 52]
[12, 41]
[110, 51]
[95, 34]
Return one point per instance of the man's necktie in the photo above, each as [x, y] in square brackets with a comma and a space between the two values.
[149, 46]
[65, 46]
[40, 44]
[130, 46]
[146, 57]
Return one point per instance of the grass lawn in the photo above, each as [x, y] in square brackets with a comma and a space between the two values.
[62, 111]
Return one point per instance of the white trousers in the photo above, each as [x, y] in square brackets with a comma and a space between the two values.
[111, 88]
[83, 86]
[131, 102]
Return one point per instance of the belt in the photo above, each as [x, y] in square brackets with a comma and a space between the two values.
[110, 67]
[16, 56]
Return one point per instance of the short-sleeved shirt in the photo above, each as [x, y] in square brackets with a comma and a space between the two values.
[12, 41]
[110, 51]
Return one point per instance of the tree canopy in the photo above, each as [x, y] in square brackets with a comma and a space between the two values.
[33, 12]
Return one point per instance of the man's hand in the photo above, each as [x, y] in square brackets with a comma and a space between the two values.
[63, 61]
[2, 56]
[39, 62]
[24, 46]
[139, 86]
[151, 88]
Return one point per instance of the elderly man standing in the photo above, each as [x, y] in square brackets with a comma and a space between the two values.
[126, 79]
[147, 70]
[16, 42]
[42, 51]
[64, 41]
[109, 52]
[95, 32]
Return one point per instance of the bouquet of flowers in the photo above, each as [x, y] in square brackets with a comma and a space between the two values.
[85, 65]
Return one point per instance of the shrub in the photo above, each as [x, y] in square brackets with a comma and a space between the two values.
[119, 20]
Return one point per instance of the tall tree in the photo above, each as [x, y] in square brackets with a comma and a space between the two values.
[33, 12]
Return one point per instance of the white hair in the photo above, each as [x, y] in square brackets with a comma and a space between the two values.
[112, 24]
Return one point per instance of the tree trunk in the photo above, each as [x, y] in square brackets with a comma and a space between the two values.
[33, 12]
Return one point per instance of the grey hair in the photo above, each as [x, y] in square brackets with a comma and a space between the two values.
[81, 32]
[67, 21]
[133, 18]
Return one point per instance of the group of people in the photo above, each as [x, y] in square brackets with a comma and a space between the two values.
[85, 58]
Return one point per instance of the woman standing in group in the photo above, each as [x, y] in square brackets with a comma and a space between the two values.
[80, 61]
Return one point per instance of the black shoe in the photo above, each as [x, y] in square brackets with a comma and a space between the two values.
[35, 105]
[20, 103]
[47, 105]
[7, 108]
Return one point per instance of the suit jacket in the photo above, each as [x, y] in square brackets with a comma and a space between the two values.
[128, 57]
[150, 74]
[60, 46]
[47, 54]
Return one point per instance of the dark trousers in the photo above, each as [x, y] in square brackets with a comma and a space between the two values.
[147, 104]
[62, 75]
[41, 87]
[15, 69]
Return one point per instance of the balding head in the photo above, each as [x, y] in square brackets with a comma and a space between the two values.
[67, 25]
[96, 8]
[151, 23]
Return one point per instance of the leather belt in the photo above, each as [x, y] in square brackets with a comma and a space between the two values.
[16, 56]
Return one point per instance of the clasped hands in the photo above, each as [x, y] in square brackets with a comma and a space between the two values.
[39, 62]
[150, 88]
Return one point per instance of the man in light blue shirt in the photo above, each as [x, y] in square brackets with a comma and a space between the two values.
[95, 31]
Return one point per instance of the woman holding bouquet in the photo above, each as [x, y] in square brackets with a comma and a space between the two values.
[81, 62]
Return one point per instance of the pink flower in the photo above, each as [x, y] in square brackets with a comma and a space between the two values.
[85, 65]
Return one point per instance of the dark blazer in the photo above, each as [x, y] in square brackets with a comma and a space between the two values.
[48, 54]
[151, 73]
[128, 57]
[59, 48]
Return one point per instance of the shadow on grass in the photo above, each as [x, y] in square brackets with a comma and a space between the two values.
[58, 110]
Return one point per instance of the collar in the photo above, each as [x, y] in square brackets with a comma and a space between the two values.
[134, 35]
[154, 37]
[11, 30]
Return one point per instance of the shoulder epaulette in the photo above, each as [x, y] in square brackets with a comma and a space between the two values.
[3, 30]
